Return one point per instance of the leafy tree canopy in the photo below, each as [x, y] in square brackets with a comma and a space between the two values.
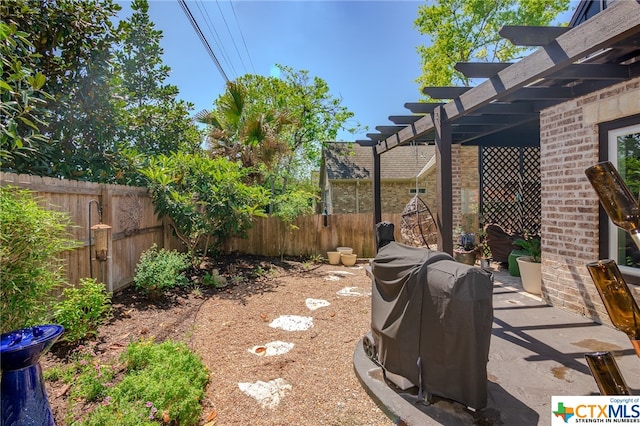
[70, 42]
[467, 31]
[294, 114]
[81, 96]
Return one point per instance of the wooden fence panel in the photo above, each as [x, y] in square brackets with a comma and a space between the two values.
[312, 237]
[128, 210]
[135, 228]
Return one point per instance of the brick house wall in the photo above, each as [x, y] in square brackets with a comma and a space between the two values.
[569, 145]
[356, 196]
[466, 187]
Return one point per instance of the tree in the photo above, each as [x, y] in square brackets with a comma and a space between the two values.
[71, 42]
[151, 119]
[467, 30]
[277, 125]
[205, 198]
[21, 109]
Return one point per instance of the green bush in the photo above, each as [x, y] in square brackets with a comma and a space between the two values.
[31, 239]
[82, 309]
[159, 378]
[158, 270]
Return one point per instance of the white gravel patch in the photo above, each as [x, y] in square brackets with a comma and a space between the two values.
[268, 394]
[292, 323]
[354, 292]
[332, 278]
[340, 273]
[314, 304]
[272, 348]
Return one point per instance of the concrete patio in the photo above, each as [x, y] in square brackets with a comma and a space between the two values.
[537, 351]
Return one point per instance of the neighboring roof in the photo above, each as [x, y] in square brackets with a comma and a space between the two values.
[344, 160]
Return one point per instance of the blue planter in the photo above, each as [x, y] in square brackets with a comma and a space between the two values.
[23, 395]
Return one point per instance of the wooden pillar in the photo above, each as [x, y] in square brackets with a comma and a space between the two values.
[108, 217]
[444, 181]
[377, 198]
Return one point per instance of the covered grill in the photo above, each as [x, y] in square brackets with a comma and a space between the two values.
[431, 322]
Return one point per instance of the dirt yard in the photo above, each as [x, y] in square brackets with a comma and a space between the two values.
[278, 341]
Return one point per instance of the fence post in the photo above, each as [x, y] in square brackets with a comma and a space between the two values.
[106, 267]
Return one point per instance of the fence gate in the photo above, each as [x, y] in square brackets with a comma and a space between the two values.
[510, 187]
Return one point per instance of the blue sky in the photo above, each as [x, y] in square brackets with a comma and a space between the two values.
[364, 50]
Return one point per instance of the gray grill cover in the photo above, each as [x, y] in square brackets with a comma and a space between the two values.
[427, 306]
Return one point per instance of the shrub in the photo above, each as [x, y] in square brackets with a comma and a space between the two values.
[161, 380]
[31, 238]
[158, 270]
[82, 309]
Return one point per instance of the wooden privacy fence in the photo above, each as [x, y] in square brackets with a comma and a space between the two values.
[135, 228]
[128, 210]
[312, 237]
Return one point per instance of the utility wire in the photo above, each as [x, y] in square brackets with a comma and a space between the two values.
[204, 41]
[231, 35]
[242, 36]
[216, 37]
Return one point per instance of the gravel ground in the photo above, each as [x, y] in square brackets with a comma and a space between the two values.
[311, 384]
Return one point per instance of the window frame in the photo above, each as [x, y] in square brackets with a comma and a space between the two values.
[608, 134]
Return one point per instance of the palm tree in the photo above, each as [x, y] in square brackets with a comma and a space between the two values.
[240, 131]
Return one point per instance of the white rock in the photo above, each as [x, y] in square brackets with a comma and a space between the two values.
[272, 348]
[314, 304]
[292, 323]
[353, 291]
[268, 394]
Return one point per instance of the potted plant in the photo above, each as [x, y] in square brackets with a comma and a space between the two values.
[466, 251]
[530, 266]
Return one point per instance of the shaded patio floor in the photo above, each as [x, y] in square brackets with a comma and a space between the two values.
[537, 351]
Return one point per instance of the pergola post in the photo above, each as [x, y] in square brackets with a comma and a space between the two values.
[377, 198]
[444, 184]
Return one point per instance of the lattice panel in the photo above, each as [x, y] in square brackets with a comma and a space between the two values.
[511, 188]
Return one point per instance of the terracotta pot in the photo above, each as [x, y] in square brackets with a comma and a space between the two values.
[345, 250]
[348, 259]
[334, 257]
[531, 274]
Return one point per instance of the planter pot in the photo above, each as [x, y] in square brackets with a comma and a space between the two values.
[334, 257]
[345, 250]
[484, 263]
[466, 257]
[348, 259]
[531, 274]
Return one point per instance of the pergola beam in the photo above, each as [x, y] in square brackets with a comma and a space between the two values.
[422, 107]
[621, 20]
[481, 69]
[404, 119]
[520, 35]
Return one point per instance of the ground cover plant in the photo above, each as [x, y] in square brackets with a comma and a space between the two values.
[149, 382]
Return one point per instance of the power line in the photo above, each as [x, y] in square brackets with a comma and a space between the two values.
[216, 37]
[204, 41]
[242, 36]
[231, 35]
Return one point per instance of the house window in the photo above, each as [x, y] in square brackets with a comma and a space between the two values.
[417, 191]
[623, 150]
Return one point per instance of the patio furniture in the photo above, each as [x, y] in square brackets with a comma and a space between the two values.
[500, 242]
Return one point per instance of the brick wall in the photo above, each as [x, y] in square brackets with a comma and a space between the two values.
[357, 196]
[569, 145]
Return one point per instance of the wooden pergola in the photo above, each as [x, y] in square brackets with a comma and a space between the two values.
[504, 110]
